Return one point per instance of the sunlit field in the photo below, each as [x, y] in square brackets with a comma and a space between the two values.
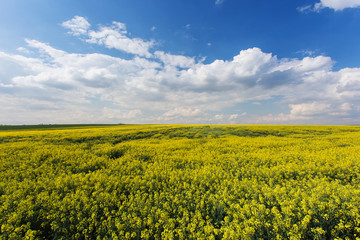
[180, 182]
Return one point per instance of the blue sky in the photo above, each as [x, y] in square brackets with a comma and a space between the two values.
[190, 61]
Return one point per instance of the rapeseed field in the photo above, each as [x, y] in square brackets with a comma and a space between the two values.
[180, 182]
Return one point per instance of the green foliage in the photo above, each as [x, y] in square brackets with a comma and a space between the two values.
[180, 182]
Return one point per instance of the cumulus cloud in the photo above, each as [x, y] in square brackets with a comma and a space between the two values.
[78, 25]
[175, 60]
[309, 108]
[348, 85]
[337, 5]
[171, 88]
[251, 68]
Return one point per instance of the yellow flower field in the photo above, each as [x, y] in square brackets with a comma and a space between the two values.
[180, 182]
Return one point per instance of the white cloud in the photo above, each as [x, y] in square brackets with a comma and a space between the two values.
[175, 60]
[309, 108]
[78, 25]
[233, 116]
[119, 115]
[348, 85]
[346, 106]
[306, 9]
[218, 2]
[307, 52]
[307, 85]
[337, 5]
[219, 117]
[184, 112]
[23, 50]
[172, 88]
[182, 115]
[280, 118]
[45, 48]
[319, 112]
[113, 36]
[228, 119]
